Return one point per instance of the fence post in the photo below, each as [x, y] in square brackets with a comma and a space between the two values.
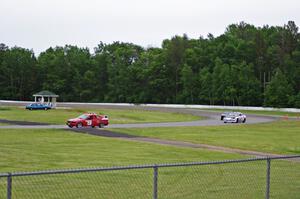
[155, 175]
[9, 187]
[268, 178]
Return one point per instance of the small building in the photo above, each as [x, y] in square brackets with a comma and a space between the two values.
[46, 97]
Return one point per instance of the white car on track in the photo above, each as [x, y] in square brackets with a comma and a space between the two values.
[235, 117]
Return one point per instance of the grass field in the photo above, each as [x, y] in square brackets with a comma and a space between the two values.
[278, 137]
[34, 149]
[27, 150]
[60, 116]
[231, 181]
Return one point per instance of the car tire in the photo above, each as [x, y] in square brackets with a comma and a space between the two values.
[70, 126]
[244, 120]
[93, 126]
[237, 121]
[79, 125]
[101, 125]
[222, 117]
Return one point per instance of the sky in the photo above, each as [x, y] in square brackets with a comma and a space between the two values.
[40, 24]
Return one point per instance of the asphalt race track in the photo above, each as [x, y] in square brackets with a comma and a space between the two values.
[210, 119]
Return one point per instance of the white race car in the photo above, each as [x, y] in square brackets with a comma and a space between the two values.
[235, 117]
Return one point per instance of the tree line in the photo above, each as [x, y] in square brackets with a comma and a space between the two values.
[246, 66]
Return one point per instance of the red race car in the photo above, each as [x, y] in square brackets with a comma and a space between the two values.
[88, 119]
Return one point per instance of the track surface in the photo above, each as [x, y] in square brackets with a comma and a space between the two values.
[211, 119]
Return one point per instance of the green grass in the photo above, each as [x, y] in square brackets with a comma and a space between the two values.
[271, 113]
[59, 116]
[234, 181]
[278, 137]
[34, 149]
[27, 150]
[37, 149]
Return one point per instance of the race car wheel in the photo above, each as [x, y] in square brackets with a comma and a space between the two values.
[70, 126]
[101, 125]
[244, 120]
[79, 125]
[93, 126]
[237, 120]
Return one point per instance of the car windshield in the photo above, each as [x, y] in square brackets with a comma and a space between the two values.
[83, 116]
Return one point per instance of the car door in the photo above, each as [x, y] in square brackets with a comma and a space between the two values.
[240, 116]
[89, 121]
[95, 121]
[38, 106]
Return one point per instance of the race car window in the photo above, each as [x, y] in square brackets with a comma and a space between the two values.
[83, 117]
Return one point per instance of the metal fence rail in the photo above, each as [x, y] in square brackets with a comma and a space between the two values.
[245, 178]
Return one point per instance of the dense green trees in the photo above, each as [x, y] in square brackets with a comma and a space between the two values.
[67, 71]
[18, 73]
[247, 65]
[279, 91]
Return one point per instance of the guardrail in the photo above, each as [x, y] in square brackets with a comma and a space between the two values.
[292, 110]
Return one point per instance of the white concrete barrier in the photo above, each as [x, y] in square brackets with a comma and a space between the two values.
[194, 106]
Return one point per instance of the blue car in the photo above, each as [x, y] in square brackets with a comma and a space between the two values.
[38, 106]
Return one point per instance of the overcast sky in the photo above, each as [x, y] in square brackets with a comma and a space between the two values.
[39, 24]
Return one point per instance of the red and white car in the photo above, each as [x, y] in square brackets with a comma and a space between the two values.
[88, 119]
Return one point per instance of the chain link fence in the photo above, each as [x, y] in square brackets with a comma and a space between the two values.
[276, 178]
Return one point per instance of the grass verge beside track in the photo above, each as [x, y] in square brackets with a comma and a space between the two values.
[28, 149]
[123, 116]
[278, 137]
[37, 149]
